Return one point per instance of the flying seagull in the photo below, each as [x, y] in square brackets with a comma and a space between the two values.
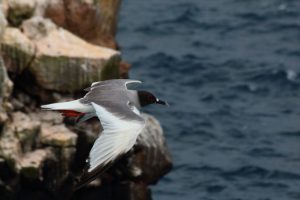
[117, 109]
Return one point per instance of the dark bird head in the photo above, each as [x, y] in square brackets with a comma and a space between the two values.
[147, 98]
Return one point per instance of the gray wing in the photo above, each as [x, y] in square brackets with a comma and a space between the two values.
[113, 84]
[114, 101]
[114, 92]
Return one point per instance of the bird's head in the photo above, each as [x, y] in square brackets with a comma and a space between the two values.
[147, 98]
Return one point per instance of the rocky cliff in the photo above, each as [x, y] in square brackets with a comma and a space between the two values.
[50, 51]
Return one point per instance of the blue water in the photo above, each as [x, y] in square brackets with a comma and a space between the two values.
[231, 71]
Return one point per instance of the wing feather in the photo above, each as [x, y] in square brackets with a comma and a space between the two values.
[113, 84]
[117, 138]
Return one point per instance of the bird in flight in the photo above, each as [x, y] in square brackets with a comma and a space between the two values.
[117, 108]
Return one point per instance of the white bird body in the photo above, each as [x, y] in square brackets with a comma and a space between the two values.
[117, 109]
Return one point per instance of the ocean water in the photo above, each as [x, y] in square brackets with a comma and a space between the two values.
[230, 70]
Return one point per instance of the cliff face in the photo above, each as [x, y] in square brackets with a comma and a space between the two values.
[50, 51]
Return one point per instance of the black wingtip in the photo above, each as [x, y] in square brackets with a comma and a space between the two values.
[88, 177]
[79, 186]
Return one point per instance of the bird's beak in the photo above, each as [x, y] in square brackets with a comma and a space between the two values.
[158, 101]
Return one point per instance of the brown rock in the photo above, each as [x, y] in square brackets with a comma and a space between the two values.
[5, 91]
[3, 22]
[97, 19]
[17, 50]
[65, 62]
[124, 69]
[139, 191]
[26, 129]
[31, 164]
[65, 155]
[10, 148]
[4, 6]
[50, 118]
[57, 135]
[40, 6]
[47, 61]
[37, 27]
[19, 10]
[131, 191]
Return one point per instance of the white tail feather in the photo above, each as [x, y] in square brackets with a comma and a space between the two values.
[75, 105]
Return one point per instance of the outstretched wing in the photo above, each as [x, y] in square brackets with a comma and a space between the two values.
[113, 84]
[121, 127]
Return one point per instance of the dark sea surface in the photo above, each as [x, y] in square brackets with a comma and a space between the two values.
[231, 71]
